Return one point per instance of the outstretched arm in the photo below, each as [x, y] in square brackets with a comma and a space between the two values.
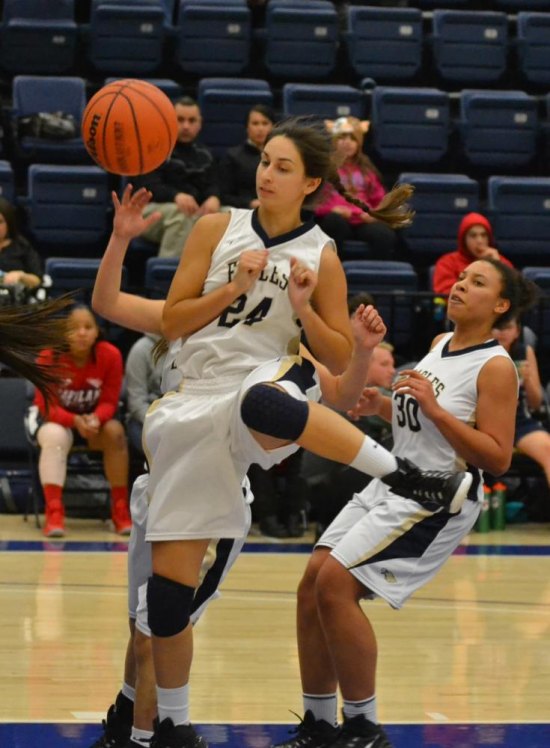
[128, 310]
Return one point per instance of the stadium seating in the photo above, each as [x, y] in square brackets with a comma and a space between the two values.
[159, 272]
[37, 36]
[392, 285]
[498, 128]
[126, 37]
[224, 104]
[323, 100]
[301, 39]
[538, 318]
[7, 187]
[67, 206]
[213, 38]
[440, 202]
[171, 88]
[512, 6]
[410, 125]
[384, 43]
[533, 44]
[520, 214]
[32, 94]
[470, 46]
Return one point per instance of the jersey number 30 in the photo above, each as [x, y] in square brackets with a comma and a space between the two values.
[407, 412]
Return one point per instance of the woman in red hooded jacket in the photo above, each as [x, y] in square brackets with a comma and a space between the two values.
[475, 241]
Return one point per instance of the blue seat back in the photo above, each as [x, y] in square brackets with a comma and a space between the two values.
[7, 186]
[213, 38]
[41, 93]
[384, 43]
[470, 46]
[301, 38]
[440, 202]
[533, 32]
[323, 100]
[410, 124]
[159, 272]
[520, 214]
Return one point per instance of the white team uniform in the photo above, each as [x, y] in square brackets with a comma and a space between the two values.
[220, 556]
[393, 545]
[197, 446]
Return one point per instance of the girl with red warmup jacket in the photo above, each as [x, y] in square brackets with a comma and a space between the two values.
[475, 242]
[85, 402]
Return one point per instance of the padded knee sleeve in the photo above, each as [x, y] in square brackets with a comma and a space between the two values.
[274, 412]
[168, 605]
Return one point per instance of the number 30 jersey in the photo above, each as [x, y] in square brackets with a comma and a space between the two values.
[453, 375]
[258, 326]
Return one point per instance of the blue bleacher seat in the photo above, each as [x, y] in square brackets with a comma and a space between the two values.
[224, 104]
[470, 46]
[323, 100]
[126, 37]
[40, 93]
[170, 87]
[533, 44]
[520, 214]
[440, 202]
[213, 38]
[301, 39]
[37, 36]
[511, 6]
[498, 128]
[74, 273]
[384, 43]
[159, 272]
[67, 205]
[432, 4]
[410, 124]
[7, 188]
[393, 285]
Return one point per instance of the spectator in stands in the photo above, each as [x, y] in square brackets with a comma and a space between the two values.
[20, 264]
[185, 187]
[330, 484]
[340, 219]
[531, 437]
[84, 406]
[143, 377]
[238, 166]
[475, 241]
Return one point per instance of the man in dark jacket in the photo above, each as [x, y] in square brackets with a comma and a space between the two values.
[185, 187]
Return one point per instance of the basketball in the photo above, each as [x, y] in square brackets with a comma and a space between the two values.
[129, 127]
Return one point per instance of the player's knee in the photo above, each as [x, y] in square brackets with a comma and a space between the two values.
[168, 605]
[274, 412]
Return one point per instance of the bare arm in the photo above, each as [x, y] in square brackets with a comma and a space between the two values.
[325, 320]
[489, 445]
[343, 391]
[187, 309]
[128, 310]
[531, 380]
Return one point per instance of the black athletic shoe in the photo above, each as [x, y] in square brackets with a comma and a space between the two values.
[168, 735]
[117, 728]
[311, 733]
[434, 489]
[358, 732]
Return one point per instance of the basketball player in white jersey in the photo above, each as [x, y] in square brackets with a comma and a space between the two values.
[454, 410]
[295, 379]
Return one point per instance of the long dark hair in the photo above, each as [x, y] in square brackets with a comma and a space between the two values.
[25, 331]
[520, 291]
[314, 144]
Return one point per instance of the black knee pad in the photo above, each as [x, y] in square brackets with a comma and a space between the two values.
[168, 605]
[274, 412]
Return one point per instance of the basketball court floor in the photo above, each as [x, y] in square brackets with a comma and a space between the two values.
[465, 664]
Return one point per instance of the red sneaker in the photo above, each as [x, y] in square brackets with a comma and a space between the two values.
[55, 526]
[121, 518]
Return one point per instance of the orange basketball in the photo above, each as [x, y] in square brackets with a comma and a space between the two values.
[129, 127]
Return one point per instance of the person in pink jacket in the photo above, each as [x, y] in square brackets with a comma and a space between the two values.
[475, 242]
[340, 219]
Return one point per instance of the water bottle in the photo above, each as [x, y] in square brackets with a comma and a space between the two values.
[483, 523]
[498, 507]
[439, 308]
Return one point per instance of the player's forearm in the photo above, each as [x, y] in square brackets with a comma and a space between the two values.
[331, 347]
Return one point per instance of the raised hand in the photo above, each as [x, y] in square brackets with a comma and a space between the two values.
[128, 221]
[368, 327]
[412, 382]
[251, 263]
[302, 283]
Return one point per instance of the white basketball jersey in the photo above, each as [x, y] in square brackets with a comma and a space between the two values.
[260, 325]
[453, 375]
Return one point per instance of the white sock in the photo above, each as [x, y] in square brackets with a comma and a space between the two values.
[174, 703]
[366, 707]
[128, 691]
[142, 737]
[374, 459]
[323, 706]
